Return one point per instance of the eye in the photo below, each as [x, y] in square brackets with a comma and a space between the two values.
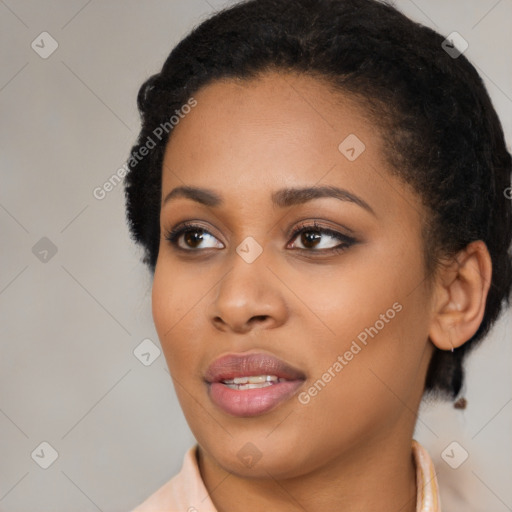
[193, 236]
[313, 236]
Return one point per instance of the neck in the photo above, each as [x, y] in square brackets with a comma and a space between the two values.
[379, 474]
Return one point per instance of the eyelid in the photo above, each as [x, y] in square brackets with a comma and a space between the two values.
[174, 234]
[324, 230]
[346, 241]
[315, 224]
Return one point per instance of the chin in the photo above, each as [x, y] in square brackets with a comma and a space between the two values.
[248, 457]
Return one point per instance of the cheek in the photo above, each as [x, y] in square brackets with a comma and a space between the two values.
[351, 296]
[359, 387]
[163, 302]
[377, 316]
[175, 302]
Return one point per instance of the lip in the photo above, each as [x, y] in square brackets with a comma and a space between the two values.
[249, 365]
[251, 402]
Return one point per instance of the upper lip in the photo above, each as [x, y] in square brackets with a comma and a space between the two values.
[247, 365]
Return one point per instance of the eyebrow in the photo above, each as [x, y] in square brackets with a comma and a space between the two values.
[281, 198]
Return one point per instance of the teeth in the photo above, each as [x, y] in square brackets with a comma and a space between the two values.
[255, 379]
[249, 386]
[252, 382]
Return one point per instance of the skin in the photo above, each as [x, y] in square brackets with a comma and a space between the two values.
[349, 447]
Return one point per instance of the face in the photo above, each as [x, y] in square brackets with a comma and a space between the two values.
[326, 292]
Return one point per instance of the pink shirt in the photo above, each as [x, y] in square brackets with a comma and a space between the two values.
[186, 491]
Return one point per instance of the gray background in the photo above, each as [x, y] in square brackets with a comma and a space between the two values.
[69, 325]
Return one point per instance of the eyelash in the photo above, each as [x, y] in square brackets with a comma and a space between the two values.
[346, 241]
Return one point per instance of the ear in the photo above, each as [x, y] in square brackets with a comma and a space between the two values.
[459, 297]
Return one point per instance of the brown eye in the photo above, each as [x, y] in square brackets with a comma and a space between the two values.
[312, 239]
[193, 236]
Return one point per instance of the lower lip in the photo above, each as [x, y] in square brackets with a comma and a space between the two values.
[251, 402]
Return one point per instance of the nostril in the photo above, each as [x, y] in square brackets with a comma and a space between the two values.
[260, 317]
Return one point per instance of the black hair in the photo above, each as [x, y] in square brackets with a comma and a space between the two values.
[443, 135]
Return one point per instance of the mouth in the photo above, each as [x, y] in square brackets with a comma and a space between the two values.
[254, 382]
[251, 384]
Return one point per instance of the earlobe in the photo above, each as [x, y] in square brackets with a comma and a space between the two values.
[460, 296]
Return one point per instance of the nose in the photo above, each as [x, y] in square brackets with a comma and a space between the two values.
[249, 296]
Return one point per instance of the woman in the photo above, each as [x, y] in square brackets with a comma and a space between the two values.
[320, 191]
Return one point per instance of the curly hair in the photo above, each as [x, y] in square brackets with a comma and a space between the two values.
[443, 136]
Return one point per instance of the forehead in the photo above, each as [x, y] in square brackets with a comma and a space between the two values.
[249, 138]
[273, 118]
